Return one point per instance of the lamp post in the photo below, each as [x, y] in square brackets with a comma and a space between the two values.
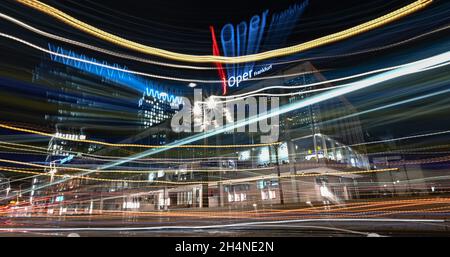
[52, 170]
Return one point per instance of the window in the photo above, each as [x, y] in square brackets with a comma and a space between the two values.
[272, 194]
[230, 197]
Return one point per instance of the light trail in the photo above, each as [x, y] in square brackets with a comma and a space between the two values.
[18, 179]
[97, 49]
[270, 95]
[118, 194]
[107, 158]
[99, 214]
[134, 58]
[234, 98]
[206, 160]
[319, 227]
[252, 216]
[156, 146]
[401, 138]
[315, 209]
[195, 80]
[127, 145]
[242, 224]
[430, 160]
[412, 68]
[351, 208]
[386, 76]
[142, 192]
[364, 27]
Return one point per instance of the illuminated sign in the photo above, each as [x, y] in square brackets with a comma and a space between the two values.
[249, 38]
[245, 155]
[116, 74]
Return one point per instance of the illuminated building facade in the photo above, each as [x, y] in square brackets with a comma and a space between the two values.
[153, 110]
[316, 149]
[156, 102]
[5, 186]
[74, 85]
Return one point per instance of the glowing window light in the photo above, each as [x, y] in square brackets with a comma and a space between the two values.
[372, 24]
[417, 66]
[283, 152]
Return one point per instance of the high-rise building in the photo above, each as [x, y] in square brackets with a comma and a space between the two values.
[329, 129]
[86, 98]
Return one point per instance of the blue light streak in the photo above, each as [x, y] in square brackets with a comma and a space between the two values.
[116, 75]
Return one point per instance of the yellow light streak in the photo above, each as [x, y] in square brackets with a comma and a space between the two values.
[364, 27]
